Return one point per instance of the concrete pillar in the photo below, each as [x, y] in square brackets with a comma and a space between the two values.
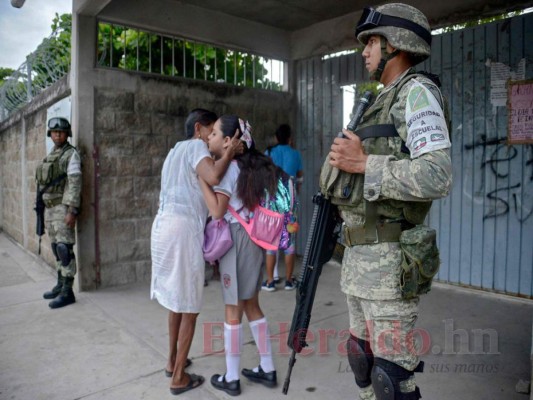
[24, 182]
[82, 71]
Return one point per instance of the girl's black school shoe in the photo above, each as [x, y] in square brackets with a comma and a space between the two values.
[269, 379]
[232, 388]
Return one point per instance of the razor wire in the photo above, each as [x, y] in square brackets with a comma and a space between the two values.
[46, 65]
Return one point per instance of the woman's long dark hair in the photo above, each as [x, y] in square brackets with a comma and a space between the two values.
[258, 172]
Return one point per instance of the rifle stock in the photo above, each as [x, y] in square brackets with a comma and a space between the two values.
[321, 242]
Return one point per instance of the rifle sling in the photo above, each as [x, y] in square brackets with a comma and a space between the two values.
[380, 130]
[53, 183]
[60, 177]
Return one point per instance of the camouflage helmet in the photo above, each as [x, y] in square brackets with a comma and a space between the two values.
[58, 124]
[405, 27]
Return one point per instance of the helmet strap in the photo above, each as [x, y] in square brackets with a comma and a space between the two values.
[376, 75]
[385, 57]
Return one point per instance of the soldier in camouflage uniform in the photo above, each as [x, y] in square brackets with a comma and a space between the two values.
[60, 176]
[383, 180]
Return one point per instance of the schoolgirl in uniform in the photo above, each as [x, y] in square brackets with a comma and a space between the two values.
[241, 269]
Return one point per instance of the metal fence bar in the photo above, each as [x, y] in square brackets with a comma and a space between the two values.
[244, 56]
[137, 61]
[225, 66]
[125, 46]
[28, 79]
[215, 72]
[150, 54]
[173, 59]
[184, 60]
[253, 70]
[194, 60]
[111, 47]
[235, 68]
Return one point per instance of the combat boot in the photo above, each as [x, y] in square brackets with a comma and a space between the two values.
[66, 296]
[52, 294]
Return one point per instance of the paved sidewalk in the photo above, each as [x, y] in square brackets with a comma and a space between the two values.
[112, 343]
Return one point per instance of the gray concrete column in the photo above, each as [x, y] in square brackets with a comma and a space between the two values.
[24, 183]
[81, 79]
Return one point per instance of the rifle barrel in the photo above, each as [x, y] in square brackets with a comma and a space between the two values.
[287, 382]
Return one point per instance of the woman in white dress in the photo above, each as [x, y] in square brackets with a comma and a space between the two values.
[178, 266]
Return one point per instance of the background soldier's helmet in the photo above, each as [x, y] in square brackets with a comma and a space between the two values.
[406, 28]
[58, 124]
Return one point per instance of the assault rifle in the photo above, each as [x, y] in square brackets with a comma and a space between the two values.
[321, 241]
[40, 206]
[39, 211]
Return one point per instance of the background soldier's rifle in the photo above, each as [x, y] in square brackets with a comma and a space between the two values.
[321, 242]
[39, 211]
[40, 206]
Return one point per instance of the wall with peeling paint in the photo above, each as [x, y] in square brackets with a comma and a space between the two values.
[486, 225]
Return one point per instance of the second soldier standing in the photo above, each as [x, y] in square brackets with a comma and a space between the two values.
[59, 178]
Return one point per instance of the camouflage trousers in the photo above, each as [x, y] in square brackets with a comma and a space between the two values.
[59, 232]
[389, 327]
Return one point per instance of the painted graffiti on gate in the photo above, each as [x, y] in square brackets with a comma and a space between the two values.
[496, 160]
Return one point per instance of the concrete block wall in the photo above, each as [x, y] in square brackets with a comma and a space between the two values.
[137, 120]
[11, 181]
[134, 129]
[35, 151]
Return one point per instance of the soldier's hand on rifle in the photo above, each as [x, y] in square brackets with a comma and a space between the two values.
[70, 220]
[347, 154]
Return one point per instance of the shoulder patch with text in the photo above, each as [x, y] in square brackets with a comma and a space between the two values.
[424, 118]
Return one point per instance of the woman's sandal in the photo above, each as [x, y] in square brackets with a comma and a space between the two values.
[169, 373]
[194, 382]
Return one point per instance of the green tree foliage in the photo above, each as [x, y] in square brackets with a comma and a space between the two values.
[135, 50]
[5, 73]
[480, 21]
[372, 86]
[51, 60]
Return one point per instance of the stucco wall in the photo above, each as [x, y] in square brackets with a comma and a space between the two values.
[134, 129]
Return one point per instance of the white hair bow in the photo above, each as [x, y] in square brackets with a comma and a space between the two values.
[246, 130]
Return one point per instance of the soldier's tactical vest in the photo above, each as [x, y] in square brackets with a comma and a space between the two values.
[50, 169]
[379, 137]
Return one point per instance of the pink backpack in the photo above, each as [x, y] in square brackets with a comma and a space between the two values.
[264, 226]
